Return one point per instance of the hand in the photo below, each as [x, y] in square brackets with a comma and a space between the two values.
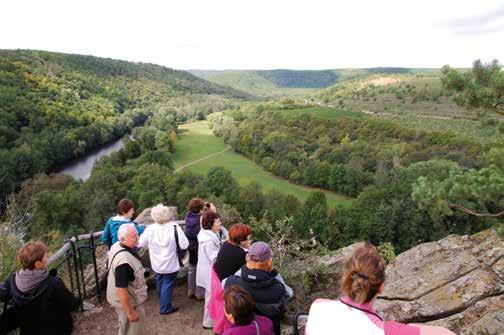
[133, 316]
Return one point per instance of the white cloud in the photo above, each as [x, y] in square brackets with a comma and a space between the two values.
[224, 34]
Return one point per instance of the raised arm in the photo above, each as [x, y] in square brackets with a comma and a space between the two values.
[107, 236]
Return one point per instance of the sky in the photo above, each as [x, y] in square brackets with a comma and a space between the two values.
[261, 34]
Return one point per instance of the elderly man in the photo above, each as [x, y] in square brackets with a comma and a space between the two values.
[127, 289]
[263, 282]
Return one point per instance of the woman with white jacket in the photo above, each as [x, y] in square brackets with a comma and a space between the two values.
[160, 239]
[210, 239]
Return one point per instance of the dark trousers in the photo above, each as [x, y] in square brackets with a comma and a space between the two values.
[165, 283]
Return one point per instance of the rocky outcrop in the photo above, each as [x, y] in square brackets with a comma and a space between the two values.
[457, 282]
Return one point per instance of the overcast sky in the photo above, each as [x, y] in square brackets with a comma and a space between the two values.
[261, 34]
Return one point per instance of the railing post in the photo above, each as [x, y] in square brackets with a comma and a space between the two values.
[74, 254]
[69, 265]
[97, 279]
[79, 254]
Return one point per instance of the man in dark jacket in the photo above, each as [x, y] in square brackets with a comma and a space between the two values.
[264, 284]
[42, 303]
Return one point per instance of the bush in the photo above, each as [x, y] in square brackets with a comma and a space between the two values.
[387, 251]
[9, 245]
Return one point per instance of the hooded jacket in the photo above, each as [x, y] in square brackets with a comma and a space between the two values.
[42, 305]
[268, 293]
[160, 239]
[109, 236]
[209, 246]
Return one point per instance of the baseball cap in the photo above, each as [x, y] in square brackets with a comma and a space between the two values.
[259, 252]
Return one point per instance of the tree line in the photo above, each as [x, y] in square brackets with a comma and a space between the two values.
[57, 107]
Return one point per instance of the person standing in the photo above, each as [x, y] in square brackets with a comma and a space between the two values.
[231, 256]
[42, 303]
[209, 244]
[192, 228]
[125, 212]
[127, 289]
[160, 239]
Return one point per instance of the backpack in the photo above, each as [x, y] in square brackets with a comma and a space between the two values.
[8, 319]
[104, 278]
[182, 254]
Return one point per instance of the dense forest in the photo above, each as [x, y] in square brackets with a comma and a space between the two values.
[300, 79]
[56, 107]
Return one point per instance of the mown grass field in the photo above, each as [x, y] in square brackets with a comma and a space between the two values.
[197, 141]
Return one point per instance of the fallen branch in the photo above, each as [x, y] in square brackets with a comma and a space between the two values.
[468, 211]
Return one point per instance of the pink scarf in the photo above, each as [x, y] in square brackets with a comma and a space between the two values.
[216, 304]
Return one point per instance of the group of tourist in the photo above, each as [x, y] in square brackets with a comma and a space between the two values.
[243, 292]
[225, 269]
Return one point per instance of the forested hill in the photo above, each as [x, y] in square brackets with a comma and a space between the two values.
[55, 107]
[274, 83]
[55, 64]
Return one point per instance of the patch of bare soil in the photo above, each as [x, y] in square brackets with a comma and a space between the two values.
[102, 320]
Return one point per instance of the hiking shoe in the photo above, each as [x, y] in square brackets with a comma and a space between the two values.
[173, 310]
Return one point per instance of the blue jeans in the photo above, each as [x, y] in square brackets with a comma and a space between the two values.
[165, 282]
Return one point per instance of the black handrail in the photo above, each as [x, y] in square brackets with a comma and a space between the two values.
[72, 254]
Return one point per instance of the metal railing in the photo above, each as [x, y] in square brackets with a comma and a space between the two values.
[73, 255]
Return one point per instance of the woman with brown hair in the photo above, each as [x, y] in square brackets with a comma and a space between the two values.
[42, 303]
[210, 239]
[125, 212]
[192, 228]
[363, 279]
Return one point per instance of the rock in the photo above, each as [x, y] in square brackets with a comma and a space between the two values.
[457, 282]
[443, 279]
[145, 218]
[473, 320]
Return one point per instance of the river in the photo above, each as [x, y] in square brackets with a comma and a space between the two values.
[81, 168]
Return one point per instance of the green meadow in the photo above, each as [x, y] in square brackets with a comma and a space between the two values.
[198, 150]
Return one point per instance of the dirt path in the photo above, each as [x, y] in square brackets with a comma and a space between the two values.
[186, 321]
[201, 159]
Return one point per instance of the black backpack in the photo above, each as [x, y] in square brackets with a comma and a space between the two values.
[8, 319]
[181, 253]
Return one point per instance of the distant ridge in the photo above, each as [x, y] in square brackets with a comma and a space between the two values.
[177, 80]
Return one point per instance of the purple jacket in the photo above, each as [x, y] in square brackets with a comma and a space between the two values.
[265, 327]
[192, 224]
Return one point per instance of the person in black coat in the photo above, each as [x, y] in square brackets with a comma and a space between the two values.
[264, 284]
[41, 301]
[231, 256]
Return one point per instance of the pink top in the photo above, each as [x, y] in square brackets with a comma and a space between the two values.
[331, 316]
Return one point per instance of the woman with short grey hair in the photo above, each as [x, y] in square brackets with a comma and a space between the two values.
[160, 239]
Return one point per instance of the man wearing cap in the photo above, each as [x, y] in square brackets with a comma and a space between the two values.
[263, 282]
